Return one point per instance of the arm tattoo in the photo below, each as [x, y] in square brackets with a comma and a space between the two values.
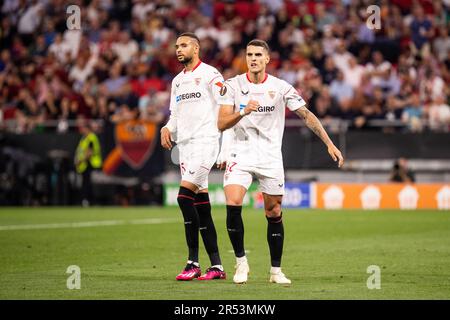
[313, 123]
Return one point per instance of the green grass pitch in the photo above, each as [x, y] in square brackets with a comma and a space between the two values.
[137, 252]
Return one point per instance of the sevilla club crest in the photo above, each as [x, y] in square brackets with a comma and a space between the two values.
[272, 94]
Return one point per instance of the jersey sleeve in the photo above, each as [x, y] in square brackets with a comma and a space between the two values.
[172, 123]
[226, 93]
[215, 84]
[292, 98]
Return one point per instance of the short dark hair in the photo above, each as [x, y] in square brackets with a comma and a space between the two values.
[190, 35]
[259, 43]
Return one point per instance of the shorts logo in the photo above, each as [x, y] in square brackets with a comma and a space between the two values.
[244, 93]
[280, 185]
[223, 90]
[191, 172]
[188, 96]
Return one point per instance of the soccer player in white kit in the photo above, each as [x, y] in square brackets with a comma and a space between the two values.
[193, 121]
[253, 106]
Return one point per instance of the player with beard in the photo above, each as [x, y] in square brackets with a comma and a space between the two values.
[252, 107]
[193, 126]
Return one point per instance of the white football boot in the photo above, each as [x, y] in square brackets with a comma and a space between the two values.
[242, 271]
[276, 276]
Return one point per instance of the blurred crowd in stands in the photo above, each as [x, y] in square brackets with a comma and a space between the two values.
[120, 64]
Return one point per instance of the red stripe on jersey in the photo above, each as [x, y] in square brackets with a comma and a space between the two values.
[184, 71]
[197, 65]
[265, 78]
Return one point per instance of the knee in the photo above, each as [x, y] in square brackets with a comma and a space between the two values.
[185, 196]
[184, 200]
[273, 210]
[234, 200]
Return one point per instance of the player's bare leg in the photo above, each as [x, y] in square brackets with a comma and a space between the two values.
[186, 198]
[234, 195]
[275, 236]
[209, 236]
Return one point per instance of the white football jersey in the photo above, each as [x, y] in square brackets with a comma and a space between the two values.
[193, 104]
[256, 139]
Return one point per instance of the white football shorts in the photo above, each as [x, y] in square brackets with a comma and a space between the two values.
[271, 180]
[196, 161]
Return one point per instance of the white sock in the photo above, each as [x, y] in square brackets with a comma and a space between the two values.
[195, 263]
[218, 266]
[275, 270]
[241, 260]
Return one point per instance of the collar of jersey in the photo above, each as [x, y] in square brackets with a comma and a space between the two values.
[265, 78]
[199, 62]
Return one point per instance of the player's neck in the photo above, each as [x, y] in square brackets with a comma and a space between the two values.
[194, 63]
[256, 78]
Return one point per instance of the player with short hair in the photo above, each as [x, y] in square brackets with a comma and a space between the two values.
[193, 126]
[253, 106]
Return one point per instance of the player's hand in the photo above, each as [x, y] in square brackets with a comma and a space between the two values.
[221, 161]
[221, 165]
[252, 105]
[336, 155]
[165, 138]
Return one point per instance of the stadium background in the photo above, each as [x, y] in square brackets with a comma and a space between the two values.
[382, 95]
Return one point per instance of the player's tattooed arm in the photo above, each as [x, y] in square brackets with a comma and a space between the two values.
[315, 126]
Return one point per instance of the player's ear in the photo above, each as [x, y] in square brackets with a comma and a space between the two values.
[267, 58]
[196, 48]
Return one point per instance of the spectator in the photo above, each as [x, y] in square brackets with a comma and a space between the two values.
[413, 113]
[439, 114]
[354, 73]
[401, 173]
[126, 48]
[60, 49]
[341, 90]
[30, 20]
[88, 157]
[378, 68]
[82, 70]
[323, 17]
[441, 44]
[329, 72]
[421, 32]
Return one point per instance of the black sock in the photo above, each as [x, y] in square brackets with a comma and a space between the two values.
[275, 237]
[186, 202]
[235, 228]
[206, 226]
